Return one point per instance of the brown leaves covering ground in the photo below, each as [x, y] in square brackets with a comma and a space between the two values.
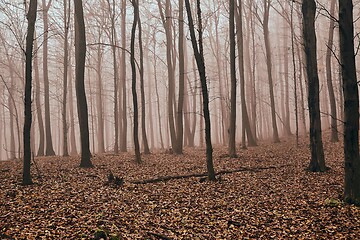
[283, 202]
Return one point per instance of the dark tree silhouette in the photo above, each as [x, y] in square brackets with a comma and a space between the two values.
[199, 56]
[80, 53]
[31, 16]
[351, 103]
[317, 162]
[133, 85]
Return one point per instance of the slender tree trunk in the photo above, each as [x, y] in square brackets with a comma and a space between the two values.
[333, 124]
[179, 114]
[65, 76]
[133, 85]
[269, 69]
[199, 56]
[73, 149]
[232, 125]
[80, 54]
[49, 149]
[287, 125]
[294, 73]
[40, 151]
[99, 102]
[142, 91]
[351, 103]
[317, 162]
[31, 16]
[123, 140]
[167, 19]
[244, 113]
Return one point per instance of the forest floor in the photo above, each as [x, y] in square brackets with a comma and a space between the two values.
[272, 196]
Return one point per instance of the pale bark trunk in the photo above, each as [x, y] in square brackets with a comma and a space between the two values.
[49, 149]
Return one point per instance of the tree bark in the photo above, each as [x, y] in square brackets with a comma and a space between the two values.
[351, 103]
[317, 162]
[333, 124]
[232, 124]
[80, 54]
[65, 76]
[31, 16]
[244, 113]
[133, 85]
[142, 91]
[49, 149]
[123, 140]
[269, 69]
[199, 56]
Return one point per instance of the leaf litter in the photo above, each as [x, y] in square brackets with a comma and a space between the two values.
[273, 197]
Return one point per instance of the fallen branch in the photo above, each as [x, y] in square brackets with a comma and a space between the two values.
[159, 236]
[167, 178]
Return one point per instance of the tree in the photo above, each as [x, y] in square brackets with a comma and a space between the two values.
[31, 16]
[334, 130]
[80, 54]
[199, 57]
[49, 149]
[123, 140]
[317, 162]
[246, 129]
[142, 90]
[65, 76]
[232, 125]
[133, 84]
[265, 25]
[351, 103]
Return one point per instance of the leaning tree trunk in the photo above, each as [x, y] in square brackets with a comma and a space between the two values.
[199, 56]
[317, 162]
[28, 78]
[351, 103]
[80, 54]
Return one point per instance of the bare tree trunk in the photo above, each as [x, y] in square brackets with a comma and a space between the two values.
[73, 150]
[49, 149]
[317, 162]
[31, 16]
[40, 151]
[65, 76]
[244, 113]
[232, 125]
[351, 103]
[199, 56]
[80, 54]
[167, 19]
[269, 69]
[99, 102]
[179, 115]
[286, 78]
[294, 73]
[123, 140]
[133, 85]
[333, 124]
[142, 91]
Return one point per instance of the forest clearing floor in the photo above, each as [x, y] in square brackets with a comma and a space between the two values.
[273, 197]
